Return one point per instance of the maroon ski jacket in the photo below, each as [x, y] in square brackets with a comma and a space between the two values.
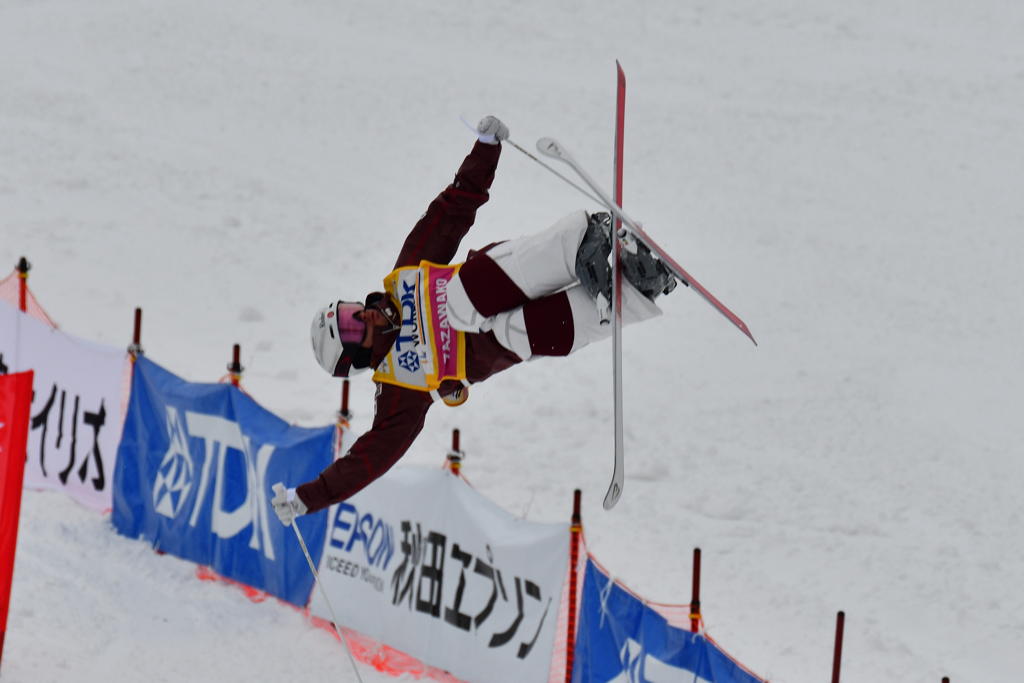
[399, 412]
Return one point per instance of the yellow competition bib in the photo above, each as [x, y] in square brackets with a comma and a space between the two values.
[427, 351]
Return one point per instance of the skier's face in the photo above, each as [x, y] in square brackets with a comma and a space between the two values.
[373, 319]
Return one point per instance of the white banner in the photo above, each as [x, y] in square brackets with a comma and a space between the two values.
[76, 406]
[422, 562]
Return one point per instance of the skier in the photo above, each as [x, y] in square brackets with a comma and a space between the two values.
[439, 328]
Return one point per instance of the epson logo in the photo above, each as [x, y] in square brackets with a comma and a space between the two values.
[376, 536]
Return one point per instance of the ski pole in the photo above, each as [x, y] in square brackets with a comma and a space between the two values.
[578, 188]
[323, 594]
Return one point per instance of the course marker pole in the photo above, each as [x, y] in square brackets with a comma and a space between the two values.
[575, 529]
[695, 600]
[837, 658]
[135, 350]
[455, 455]
[23, 267]
[235, 366]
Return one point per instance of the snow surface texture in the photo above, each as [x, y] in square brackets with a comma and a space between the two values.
[844, 176]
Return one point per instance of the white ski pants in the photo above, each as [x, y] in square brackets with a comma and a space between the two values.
[526, 292]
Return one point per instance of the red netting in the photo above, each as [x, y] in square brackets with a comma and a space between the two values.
[236, 379]
[126, 386]
[383, 658]
[10, 291]
[365, 650]
[676, 615]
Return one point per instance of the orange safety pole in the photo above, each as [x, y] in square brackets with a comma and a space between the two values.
[344, 413]
[575, 529]
[695, 599]
[455, 455]
[135, 350]
[23, 267]
[837, 658]
[343, 417]
[235, 367]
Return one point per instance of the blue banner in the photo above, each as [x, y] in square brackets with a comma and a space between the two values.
[193, 477]
[623, 640]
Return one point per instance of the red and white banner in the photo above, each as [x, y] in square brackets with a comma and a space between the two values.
[422, 562]
[76, 408]
[15, 402]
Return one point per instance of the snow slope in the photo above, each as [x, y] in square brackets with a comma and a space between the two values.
[841, 175]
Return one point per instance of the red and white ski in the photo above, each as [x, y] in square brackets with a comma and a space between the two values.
[626, 229]
[550, 147]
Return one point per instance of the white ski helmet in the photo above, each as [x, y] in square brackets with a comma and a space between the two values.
[336, 335]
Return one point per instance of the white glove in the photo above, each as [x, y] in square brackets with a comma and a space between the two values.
[491, 130]
[286, 504]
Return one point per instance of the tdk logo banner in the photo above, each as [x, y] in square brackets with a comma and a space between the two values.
[193, 477]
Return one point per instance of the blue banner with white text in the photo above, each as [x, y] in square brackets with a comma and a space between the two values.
[621, 639]
[194, 474]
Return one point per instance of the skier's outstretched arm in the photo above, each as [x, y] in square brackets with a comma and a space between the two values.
[449, 217]
[397, 421]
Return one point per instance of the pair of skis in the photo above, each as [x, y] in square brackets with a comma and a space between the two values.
[553, 149]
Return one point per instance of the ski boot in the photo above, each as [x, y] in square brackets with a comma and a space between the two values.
[592, 265]
[642, 269]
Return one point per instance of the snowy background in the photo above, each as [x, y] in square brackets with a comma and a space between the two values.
[840, 174]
